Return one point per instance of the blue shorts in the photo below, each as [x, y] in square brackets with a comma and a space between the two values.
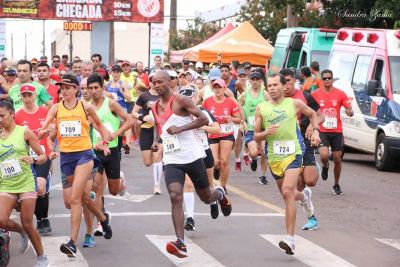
[279, 168]
[248, 137]
[69, 161]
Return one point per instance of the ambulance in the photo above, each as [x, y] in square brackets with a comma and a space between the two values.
[366, 66]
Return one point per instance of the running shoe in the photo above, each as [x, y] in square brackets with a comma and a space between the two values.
[89, 241]
[238, 166]
[25, 243]
[312, 224]
[69, 249]
[287, 246]
[177, 248]
[39, 226]
[106, 226]
[124, 185]
[46, 228]
[216, 174]
[157, 190]
[4, 248]
[126, 148]
[99, 230]
[253, 165]
[263, 180]
[226, 206]
[42, 261]
[308, 207]
[337, 190]
[214, 210]
[324, 173]
[189, 224]
[246, 160]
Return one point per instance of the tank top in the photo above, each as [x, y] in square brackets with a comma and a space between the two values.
[117, 95]
[110, 122]
[16, 175]
[73, 128]
[208, 91]
[285, 141]
[181, 148]
[250, 105]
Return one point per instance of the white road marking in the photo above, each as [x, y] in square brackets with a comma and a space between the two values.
[310, 253]
[197, 257]
[130, 197]
[56, 187]
[390, 242]
[51, 247]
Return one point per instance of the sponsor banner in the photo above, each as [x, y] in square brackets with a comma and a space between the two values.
[2, 38]
[90, 10]
[156, 41]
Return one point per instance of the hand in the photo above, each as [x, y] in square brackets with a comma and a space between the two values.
[349, 112]
[272, 129]
[106, 150]
[155, 147]
[98, 146]
[112, 136]
[174, 130]
[28, 159]
[53, 155]
[309, 131]
[228, 118]
[315, 139]
[148, 118]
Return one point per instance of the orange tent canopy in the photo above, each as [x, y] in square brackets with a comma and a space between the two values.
[192, 53]
[244, 43]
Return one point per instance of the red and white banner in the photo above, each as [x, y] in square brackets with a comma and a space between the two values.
[90, 10]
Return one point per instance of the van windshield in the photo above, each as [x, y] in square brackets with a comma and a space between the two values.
[394, 63]
[321, 57]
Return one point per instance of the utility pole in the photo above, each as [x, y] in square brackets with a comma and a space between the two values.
[292, 19]
[70, 44]
[25, 48]
[12, 45]
[43, 37]
[111, 54]
[173, 17]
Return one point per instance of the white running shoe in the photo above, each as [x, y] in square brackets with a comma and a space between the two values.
[157, 190]
[308, 207]
[124, 184]
[288, 246]
[25, 243]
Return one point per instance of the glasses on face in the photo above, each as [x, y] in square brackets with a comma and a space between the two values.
[326, 78]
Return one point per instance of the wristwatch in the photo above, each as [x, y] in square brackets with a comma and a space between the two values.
[34, 161]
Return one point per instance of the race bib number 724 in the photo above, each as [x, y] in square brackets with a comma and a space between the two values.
[284, 147]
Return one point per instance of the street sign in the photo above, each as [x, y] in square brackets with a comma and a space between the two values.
[77, 26]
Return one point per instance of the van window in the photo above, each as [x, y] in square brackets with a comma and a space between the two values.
[303, 60]
[394, 63]
[278, 56]
[341, 64]
[294, 51]
[380, 73]
[361, 72]
[321, 57]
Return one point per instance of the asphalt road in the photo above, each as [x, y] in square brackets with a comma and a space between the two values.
[358, 228]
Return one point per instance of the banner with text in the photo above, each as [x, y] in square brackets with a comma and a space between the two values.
[156, 42]
[91, 10]
[2, 38]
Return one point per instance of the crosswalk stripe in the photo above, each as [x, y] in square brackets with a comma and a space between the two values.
[310, 253]
[197, 257]
[130, 197]
[51, 246]
[390, 242]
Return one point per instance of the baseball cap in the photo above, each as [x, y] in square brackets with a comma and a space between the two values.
[199, 65]
[27, 88]
[255, 74]
[116, 68]
[246, 65]
[69, 80]
[172, 73]
[241, 72]
[151, 76]
[125, 62]
[181, 72]
[214, 74]
[43, 59]
[11, 72]
[187, 91]
[220, 82]
[185, 61]
[34, 60]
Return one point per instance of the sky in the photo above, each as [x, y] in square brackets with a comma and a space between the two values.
[34, 28]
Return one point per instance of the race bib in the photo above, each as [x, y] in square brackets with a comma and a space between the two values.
[251, 120]
[33, 153]
[284, 147]
[114, 95]
[203, 139]
[330, 123]
[227, 128]
[171, 144]
[10, 168]
[70, 128]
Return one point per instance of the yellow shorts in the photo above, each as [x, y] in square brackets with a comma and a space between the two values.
[278, 168]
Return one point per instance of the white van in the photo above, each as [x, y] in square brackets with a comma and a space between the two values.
[366, 66]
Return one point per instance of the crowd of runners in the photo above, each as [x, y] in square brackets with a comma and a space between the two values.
[187, 122]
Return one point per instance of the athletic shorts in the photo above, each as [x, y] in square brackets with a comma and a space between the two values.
[196, 171]
[129, 107]
[248, 137]
[309, 156]
[209, 159]
[333, 140]
[217, 140]
[146, 138]
[20, 196]
[279, 168]
[236, 128]
[110, 164]
[69, 161]
[64, 181]
[43, 169]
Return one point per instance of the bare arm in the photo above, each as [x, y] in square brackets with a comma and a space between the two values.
[105, 135]
[51, 115]
[33, 142]
[309, 112]
[213, 128]
[128, 121]
[125, 91]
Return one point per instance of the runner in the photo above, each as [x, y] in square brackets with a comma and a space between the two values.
[330, 100]
[226, 111]
[17, 181]
[182, 153]
[32, 116]
[276, 122]
[76, 155]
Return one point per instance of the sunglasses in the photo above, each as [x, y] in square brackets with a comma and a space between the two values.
[172, 78]
[326, 78]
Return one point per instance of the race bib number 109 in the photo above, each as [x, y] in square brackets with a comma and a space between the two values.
[70, 128]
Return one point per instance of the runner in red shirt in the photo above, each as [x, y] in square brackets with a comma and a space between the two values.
[33, 116]
[226, 111]
[43, 75]
[330, 100]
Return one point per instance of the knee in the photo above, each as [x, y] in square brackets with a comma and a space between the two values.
[337, 159]
[41, 191]
[3, 223]
[223, 163]
[287, 193]
[253, 154]
[148, 164]
[75, 201]
[113, 191]
[176, 198]
[311, 183]
[27, 225]
[206, 199]
[67, 204]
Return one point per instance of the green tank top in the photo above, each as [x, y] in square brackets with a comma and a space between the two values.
[249, 107]
[16, 175]
[285, 141]
[109, 120]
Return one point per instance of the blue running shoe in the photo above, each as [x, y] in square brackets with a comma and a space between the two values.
[312, 224]
[89, 241]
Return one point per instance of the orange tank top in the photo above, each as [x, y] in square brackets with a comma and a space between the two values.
[73, 128]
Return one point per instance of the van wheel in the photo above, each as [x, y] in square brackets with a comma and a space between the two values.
[382, 159]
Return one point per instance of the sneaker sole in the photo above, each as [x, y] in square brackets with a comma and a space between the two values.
[189, 228]
[286, 248]
[337, 193]
[67, 251]
[310, 229]
[98, 233]
[171, 249]
[88, 246]
[214, 214]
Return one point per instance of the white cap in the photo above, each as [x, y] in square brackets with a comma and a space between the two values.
[172, 73]
[199, 65]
